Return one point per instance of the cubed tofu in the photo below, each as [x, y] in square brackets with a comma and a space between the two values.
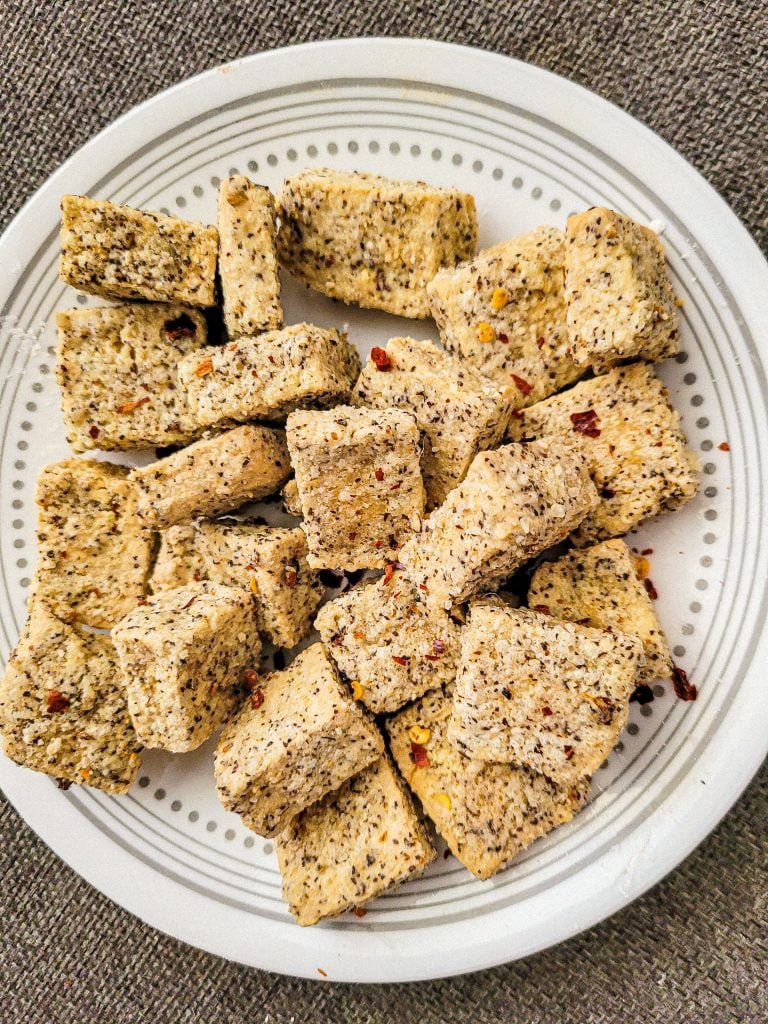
[116, 367]
[359, 482]
[600, 586]
[487, 813]
[372, 241]
[63, 709]
[504, 312]
[299, 736]
[179, 560]
[541, 693]
[291, 499]
[182, 654]
[122, 253]
[515, 502]
[217, 474]
[631, 437]
[384, 638]
[621, 304]
[459, 411]
[270, 563]
[250, 286]
[93, 557]
[268, 377]
[352, 846]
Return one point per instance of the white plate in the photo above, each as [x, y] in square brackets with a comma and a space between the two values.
[532, 148]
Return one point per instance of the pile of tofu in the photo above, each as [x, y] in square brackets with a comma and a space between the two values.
[427, 697]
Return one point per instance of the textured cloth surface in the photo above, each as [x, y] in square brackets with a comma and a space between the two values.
[694, 949]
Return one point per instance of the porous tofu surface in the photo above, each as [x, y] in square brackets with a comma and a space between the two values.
[250, 285]
[459, 410]
[384, 638]
[178, 560]
[269, 376]
[303, 738]
[123, 253]
[544, 694]
[621, 304]
[271, 564]
[514, 502]
[373, 241]
[182, 654]
[359, 483]
[599, 586]
[63, 708]
[217, 474]
[116, 367]
[486, 812]
[504, 312]
[93, 557]
[631, 437]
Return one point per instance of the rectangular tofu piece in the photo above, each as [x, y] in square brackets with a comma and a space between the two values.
[116, 367]
[384, 638]
[359, 482]
[93, 556]
[250, 286]
[122, 253]
[621, 304]
[631, 437]
[269, 376]
[217, 474]
[299, 736]
[459, 410]
[540, 693]
[487, 813]
[514, 502]
[270, 563]
[179, 560]
[63, 709]
[600, 586]
[371, 241]
[182, 654]
[504, 312]
[352, 846]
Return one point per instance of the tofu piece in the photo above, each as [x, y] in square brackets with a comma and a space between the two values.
[304, 738]
[116, 367]
[182, 654]
[487, 813]
[384, 637]
[541, 693]
[359, 482]
[624, 425]
[352, 846]
[459, 411]
[291, 499]
[371, 241]
[269, 376]
[93, 557]
[270, 563]
[250, 285]
[62, 706]
[514, 502]
[621, 304]
[600, 586]
[122, 253]
[504, 312]
[179, 560]
[217, 474]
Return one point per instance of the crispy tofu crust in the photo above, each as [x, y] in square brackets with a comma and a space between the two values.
[371, 241]
[179, 560]
[487, 813]
[631, 437]
[504, 312]
[122, 253]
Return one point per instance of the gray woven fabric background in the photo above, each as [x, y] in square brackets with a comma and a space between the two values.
[695, 949]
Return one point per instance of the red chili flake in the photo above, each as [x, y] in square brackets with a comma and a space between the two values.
[389, 571]
[379, 474]
[395, 485]
[502, 337]
[56, 701]
[586, 423]
[399, 659]
[182, 327]
[647, 551]
[257, 699]
[517, 414]
[540, 342]
[543, 608]
[642, 694]
[94, 432]
[380, 359]
[684, 689]
[568, 753]
[522, 385]
[419, 755]
[131, 406]
[423, 586]
[378, 543]
[724, 446]
[432, 657]
[359, 911]
[290, 575]
[546, 711]
[189, 603]
[321, 971]
[650, 589]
